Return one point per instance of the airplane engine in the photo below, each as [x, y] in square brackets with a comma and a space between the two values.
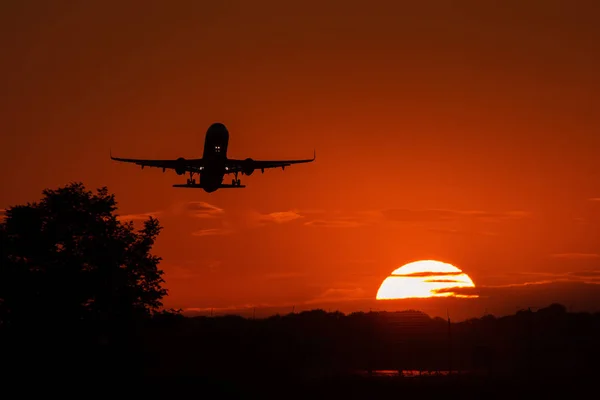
[180, 168]
[248, 166]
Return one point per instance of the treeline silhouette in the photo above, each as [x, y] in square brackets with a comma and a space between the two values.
[80, 296]
[546, 342]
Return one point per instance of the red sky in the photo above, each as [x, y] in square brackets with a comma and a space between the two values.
[465, 133]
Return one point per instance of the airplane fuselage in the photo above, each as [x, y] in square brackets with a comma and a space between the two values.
[215, 154]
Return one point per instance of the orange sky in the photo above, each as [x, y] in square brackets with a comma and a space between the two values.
[420, 116]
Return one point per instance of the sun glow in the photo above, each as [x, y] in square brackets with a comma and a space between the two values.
[422, 279]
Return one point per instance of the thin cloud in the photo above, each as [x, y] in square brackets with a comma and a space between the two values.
[2, 213]
[548, 287]
[311, 211]
[339, 219]
[248, 310]
[202, 209]
[256, 219]
[585, 274]
[461, 232]
[595, 199]
[257, 310]
[199, 209]
[212, 232]
[440, 215]
[523, 284]
[280, 217]
[549, 277]
[576, 256]
[139, 216]
[339, 294]
[427, 274]
[371, 217]
[226, 309]
[483, 291]
[545, 284]
[334, 223]
[528, 273]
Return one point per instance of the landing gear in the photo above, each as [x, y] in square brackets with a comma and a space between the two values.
[191, 180]
[235, 181]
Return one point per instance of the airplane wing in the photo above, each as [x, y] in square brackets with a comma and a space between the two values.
[181, 165]
[248, 165]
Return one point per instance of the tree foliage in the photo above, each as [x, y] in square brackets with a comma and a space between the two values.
[68, 259]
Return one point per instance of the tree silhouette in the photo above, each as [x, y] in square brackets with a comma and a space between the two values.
[67, 260]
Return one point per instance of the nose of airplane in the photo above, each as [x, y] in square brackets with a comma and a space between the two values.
[217, 127]
[216, 133]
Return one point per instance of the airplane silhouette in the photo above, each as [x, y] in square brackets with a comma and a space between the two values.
[214, 164]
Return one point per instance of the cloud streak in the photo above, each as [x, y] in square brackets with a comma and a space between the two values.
[442, 281]
[212, 232]
[198, 209]
[336, 219]
[461, 232]
[409, 216]
[584, 274]
[139, 216]
[544, 284]
[340, 220]
[428, 274]
[280, 217]
[339, 294]
[440, 215]
[335, 223]
[202, 209]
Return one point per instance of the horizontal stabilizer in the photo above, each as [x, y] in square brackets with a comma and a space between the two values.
[198, 186]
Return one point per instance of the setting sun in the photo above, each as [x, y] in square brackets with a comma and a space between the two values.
[422, 279]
